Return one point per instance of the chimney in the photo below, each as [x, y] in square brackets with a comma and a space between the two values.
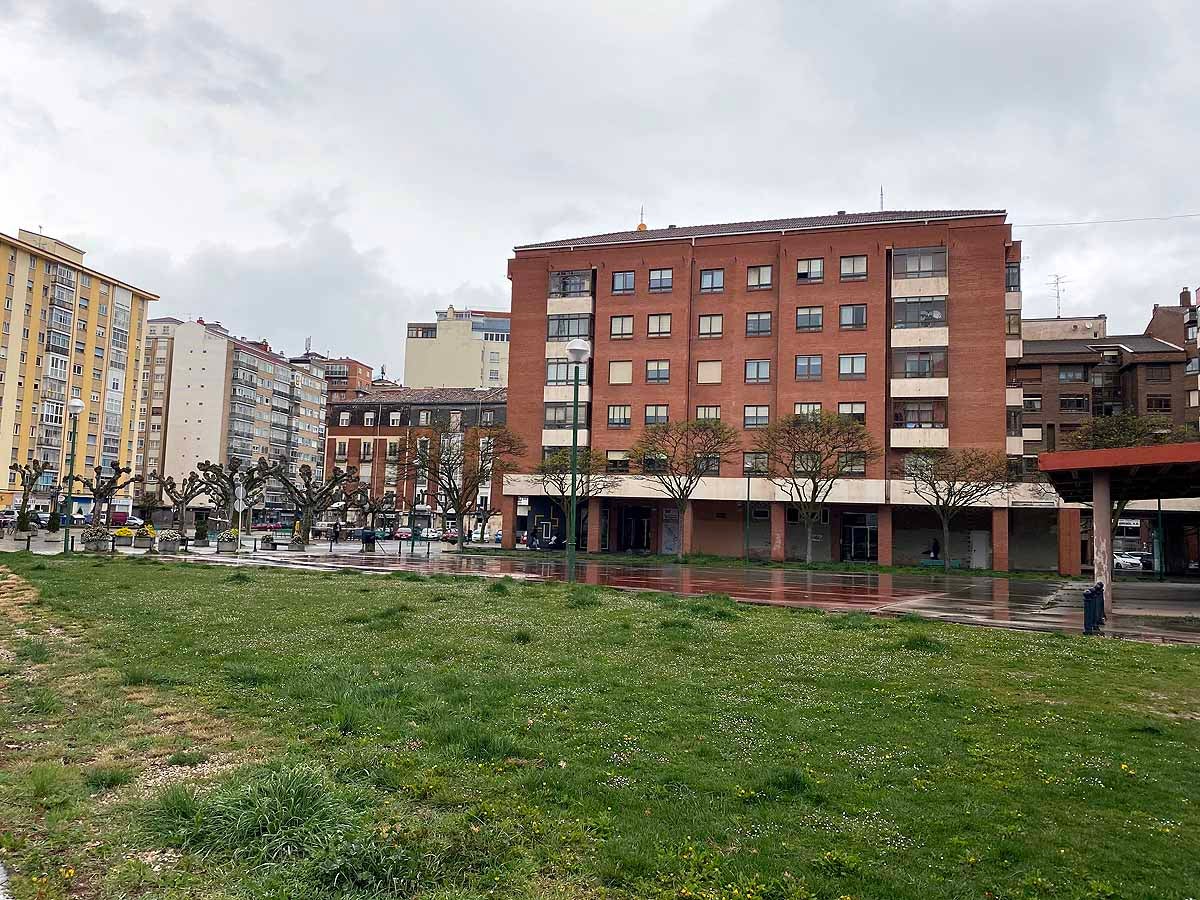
[1185, 297]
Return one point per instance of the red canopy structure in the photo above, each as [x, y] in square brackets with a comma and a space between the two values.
[1104, 477]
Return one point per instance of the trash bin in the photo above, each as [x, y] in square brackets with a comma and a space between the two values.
[1093, 608]
[368, 540]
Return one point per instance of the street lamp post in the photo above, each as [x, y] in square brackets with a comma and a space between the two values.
[74, 408]
[578, 352]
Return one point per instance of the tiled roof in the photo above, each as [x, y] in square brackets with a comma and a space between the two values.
[1135, 343]
[685, 232]
[431, 396]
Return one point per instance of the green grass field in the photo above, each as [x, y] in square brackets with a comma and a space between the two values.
[173, 730]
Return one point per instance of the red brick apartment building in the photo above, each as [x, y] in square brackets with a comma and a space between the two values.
[906, 320]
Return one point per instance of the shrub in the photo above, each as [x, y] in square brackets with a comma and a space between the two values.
[201, 533]
[53, 522]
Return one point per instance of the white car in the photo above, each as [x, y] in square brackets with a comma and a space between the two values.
[1125, 561]
[431, 534]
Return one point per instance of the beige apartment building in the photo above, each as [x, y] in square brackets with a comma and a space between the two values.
[67, 333]
[463, 348]
[213, 396]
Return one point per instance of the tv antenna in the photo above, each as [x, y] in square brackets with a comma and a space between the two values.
[881, 198]
[1058, 284]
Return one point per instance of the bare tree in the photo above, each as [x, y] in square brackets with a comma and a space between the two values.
[29, 475]
[953, 480]
[104, 487]
[461, 468]
[370, 506]
[310, 495]
[183, 493]
[592, 478]
[675, 456]
[807, 455]
[224, 480]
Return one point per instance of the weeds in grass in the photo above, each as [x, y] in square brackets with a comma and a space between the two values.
[174, 816]
[143, 676]
[33, 650]
[793, 784]
[522, 636]
[50, 785]
[348, 715]
[855, 621]
[248, 675]
[676, 625]
[238, 578]
[923, 643]
[582, 596]
[476, 741]
[497, 587]
[43, 701]
[105, 777]
[187, 758]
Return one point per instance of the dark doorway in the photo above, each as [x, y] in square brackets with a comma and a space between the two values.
[860, 537]
[634, 529]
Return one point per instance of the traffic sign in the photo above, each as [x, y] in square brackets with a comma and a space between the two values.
[239, 505]
[240, 492]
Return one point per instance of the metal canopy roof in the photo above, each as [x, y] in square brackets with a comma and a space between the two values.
[1161, 471]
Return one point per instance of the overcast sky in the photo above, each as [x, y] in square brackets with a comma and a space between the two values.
[295, 168]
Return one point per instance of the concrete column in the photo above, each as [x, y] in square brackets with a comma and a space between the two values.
[508, 520]
[886, 542]
[1000, 539]
[1102, 533]
[1069, 529]
[778, 532]
[687, 530]
[593, 520]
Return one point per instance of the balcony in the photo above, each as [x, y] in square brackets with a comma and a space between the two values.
[1014, 446]
[930, 336]
[1014, 395]
[920, 438]
[916, 388]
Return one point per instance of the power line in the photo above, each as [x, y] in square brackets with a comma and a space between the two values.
[1195, 215]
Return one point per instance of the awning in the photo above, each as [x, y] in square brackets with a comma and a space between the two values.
[1160, 471]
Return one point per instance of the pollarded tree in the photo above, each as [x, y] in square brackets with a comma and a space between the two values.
[225, 479]
[462, 469]
[183, 493]
[807, 455]
[675, 456]
[370, 506]
[953, 480]
[310, 495]
[104, 487]
[592, 478]
[29, 475]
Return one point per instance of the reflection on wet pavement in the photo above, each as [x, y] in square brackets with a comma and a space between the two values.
[1144, 611]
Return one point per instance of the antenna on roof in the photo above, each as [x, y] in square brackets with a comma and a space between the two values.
[881, 198]
[1058, 282]
[642, 218]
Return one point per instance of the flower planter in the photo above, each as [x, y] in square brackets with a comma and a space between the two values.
[96, 546]
[21, 535]
[227, 546]
[123, 541]
[142, 543]
[267, 543]
[201, 542]
[167, 546]
[298, 547]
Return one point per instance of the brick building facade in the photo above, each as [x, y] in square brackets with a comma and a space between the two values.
[905, 320]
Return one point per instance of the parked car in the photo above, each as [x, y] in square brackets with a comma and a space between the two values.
[430, 534]
[134, 521]
[404, 533]
[1126, 561]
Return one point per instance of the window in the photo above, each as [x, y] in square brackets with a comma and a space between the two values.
[756, 416]
[365, 451]
[919, 414]
[1158, 403]
[1158, 373]
[812, 410]
[1072, 374]
[852, 366]
[343, 418]
[620, 328]
[654, 463]
[423, 417]
[622, 283]
[926, 262]
[558, 371]
[854, 268]
[1013, 423]
[708, 371]
[810, 318]
[1032, 403]
[620, 371]
[656, 414]
[808, 368]
[394, 419]
[854, 411]
[920, 312]
[489, 417]
[1073, 403]
[758, 324]
[1012, 276]
[658, 325]
[758, 278]
[1192, 366]
[852, 464]
[618, 416]
[919, 364]
[577, 283]
[567, 328]
[658, 371]
[340, 451]
[1012, 324]
[560, 415]
[754, 463]
[708, 463]
[853, 316]
[712, 281]
[758, 371]
[368, 419]
[617, 461]
[660, 280]
[711, 326]
[810, 271]
[708, 412]
[1193, 398]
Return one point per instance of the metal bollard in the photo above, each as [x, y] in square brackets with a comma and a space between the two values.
[28, 539]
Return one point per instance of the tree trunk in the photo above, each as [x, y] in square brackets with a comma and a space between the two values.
[946, 543]
[809, 524]
[682, 507]
[461, 519]
[305, 524]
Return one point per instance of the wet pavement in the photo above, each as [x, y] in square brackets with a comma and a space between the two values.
[1144, 610]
